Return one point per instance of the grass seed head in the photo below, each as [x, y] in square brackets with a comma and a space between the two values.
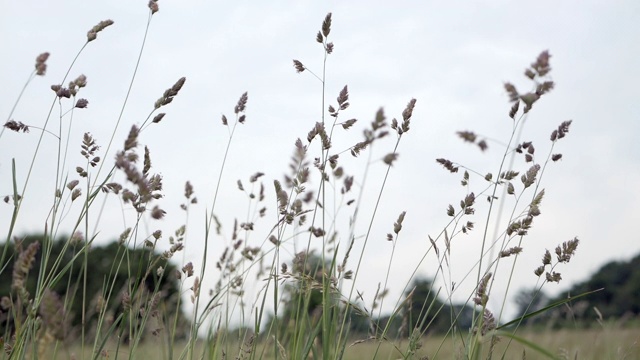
[93, 33]
[153, 6]
[326, 25]
[41, 63]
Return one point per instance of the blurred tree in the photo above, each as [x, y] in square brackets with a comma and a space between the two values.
[299, 314]
[425, 312]
[112, 270]
[620, 296]
[530, 300]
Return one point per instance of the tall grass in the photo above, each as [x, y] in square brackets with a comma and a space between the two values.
[311, 257]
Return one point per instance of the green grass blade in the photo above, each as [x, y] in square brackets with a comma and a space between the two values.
[546, 308]
[528, 344]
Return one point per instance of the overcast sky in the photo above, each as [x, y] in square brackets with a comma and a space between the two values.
[453, 57]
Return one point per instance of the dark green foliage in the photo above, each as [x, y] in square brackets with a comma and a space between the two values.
[112, 270]
[530, 300]
[425, 312]
[303, 297]
[620, 296]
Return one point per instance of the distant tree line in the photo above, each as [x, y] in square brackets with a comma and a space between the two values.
[111, 272]
[422, 309]
[425, 312]
[619, 298]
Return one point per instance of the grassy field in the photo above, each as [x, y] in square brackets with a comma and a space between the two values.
[565, 344]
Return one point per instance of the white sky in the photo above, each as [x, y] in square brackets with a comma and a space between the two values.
[452, 57]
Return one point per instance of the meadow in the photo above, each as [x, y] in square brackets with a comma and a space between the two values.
[602, 343]
[284, 287]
